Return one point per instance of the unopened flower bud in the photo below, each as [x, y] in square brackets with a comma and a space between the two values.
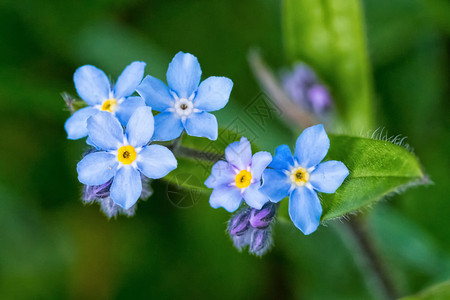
[260, 241]
[262, 218]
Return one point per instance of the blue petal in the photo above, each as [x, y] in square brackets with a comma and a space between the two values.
[126, 187]
[202, 125]
[156, 161]
[140, 127]
[213, 93]
[282, 159]
[97, 168]
[239, 154]
[254, 197]
[260, 161]
[221, 173]
[328, 176]
[305, 209]
[167, 127]
[312, 146]
[105, 131]
[91, 84]
[183, 75]
[227, 197]
[276, 184]
[129, 79]
[127, 108]
[155, 93]
[76, 125]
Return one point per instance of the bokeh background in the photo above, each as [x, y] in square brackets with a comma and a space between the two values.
[53, 247]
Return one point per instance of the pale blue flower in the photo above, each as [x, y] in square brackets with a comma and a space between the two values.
[95, 89]
[125, 156]
[238, 178]
[184, 104]
[301, 175]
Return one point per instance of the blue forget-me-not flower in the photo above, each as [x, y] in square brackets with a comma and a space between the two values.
[184, 104]
[94, 87]
[302, 175]
[238, 178]
[124, 157]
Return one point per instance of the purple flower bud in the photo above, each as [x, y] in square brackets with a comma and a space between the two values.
[94, 192]
[243, 240]
[305, 89]
[262, 218]
[260, 241]
[239, 223]
[100, 194]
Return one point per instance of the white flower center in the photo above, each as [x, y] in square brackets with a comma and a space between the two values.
[299, 176]
[184, 107]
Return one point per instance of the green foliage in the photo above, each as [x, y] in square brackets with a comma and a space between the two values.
[439, 291]
[329, 35]
[377, 168]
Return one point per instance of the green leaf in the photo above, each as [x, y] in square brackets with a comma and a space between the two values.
[439, 291]
[377, 168]
[329, 35]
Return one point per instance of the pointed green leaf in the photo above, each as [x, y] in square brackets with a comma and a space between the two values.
[329, 35]
[377, 168]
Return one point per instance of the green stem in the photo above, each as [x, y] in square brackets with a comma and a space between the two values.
[356, 237]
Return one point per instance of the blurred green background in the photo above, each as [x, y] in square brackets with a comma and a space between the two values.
[53, 247]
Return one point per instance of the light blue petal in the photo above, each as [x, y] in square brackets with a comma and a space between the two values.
[97, 168]
[227, 197]
[276, 184]
[312, 146]
[105, 131]
[126, 187]
[239, 154]
[127, 107]
[76, 125]
[156, 161]
[305, 209]
[167, 127]
[183, 75]
[140, 127]
[282, 159]
[155, 93]
[328, 176]
[91, 84]
[260, 161]
[91, 143]
[254, 197]
[213, 93]
[129, 79]
[202, 125]
[221, 173]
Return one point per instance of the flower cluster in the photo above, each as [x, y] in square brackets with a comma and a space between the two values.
[121, 127]
[260, 180]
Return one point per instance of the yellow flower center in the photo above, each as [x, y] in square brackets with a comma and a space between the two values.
[109, 105]
[126, 154]
[299, 176]
[243, 179]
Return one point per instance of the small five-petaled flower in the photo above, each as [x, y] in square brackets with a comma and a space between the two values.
[238, 178]
[301, 175]
[184, 104]
[124, 157]
[94, 88]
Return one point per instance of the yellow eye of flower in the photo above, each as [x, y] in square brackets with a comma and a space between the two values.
[109, 105]
[243, 179]
[299, 176]
[126, 154]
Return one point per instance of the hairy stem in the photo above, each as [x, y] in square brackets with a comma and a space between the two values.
[356, 237]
